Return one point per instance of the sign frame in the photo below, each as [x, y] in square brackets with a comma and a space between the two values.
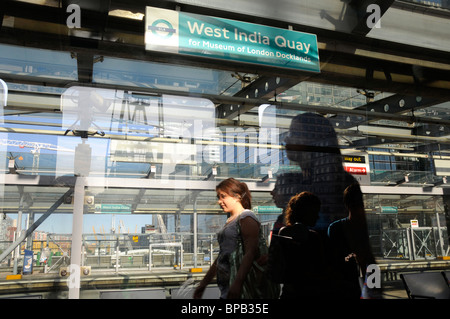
[218, 38]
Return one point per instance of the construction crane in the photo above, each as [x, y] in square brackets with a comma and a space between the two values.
[36, 149]
[95, 235]
[163, 229]
[122, 226]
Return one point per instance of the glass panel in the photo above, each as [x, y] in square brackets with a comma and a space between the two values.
[165, 77]
[37, 62]
[151, 161]
[392, 217]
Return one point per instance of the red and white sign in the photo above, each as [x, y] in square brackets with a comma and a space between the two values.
[357, 164]
[356, 170]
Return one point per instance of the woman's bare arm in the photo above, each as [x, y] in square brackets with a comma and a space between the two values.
[198, 293]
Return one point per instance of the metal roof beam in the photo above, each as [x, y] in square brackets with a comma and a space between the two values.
[395, 104]
[262, 88]
[85, 66]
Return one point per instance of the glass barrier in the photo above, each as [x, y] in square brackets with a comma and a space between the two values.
[149, 162]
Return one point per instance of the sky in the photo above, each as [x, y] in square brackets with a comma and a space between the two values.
[102, 223]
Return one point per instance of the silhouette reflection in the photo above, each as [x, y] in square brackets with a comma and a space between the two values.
[312, 144]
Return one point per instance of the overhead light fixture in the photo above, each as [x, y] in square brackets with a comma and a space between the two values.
[403, 180]
[212, 174]
[268, 177]
[442, 181]
[152, 172]
[12, 166]
[127, 14]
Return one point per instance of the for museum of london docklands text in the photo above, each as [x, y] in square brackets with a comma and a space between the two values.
[211, 37]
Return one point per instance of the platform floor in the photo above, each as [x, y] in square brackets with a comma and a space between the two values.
[53, 286]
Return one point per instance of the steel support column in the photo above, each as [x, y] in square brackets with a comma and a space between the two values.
[77, 239]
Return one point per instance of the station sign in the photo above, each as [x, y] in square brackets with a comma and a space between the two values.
[211, 37]
[354, 159]
[356, 170]
[267, 210]
[113, 208]
[389, 209]
[358, 166]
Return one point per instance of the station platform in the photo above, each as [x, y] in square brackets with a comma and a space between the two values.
[163, 282]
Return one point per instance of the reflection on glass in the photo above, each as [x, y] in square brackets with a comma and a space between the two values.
[164, 77]
[175, 128]
[159, 136]
[3, 147]
[37, 62]
[312, 144]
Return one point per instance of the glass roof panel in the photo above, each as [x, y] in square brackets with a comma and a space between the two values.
[37, 62]
[164, 76]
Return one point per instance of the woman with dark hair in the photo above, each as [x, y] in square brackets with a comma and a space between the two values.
[242, 225]
[351, 249]
[303, 209]
[297, 257]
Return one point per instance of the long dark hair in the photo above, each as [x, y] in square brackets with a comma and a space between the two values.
[233, 187]
[300, 208]
[353, 196]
